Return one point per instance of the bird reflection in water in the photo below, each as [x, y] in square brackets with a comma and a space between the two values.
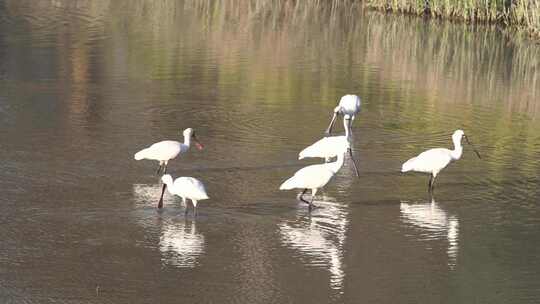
[320, 238]
[180, 244]
[436, 222]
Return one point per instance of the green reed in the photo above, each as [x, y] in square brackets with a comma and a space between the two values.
[517, 14]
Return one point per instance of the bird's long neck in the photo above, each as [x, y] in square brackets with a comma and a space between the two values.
[346, 127]
[458, 149]
[335, 166]
[187, 140]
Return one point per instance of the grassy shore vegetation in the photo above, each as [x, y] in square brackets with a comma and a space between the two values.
[518, 14]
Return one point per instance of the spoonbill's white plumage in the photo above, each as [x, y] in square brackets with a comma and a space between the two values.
[434, 160]
[326, 147]
[349, 106]
[185, 187]
[166, 150]
[313, 177]
[329, 147]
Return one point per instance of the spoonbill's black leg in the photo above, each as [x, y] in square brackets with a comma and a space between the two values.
[354, 163]
[300, 197]
[431, 184]
[311, 205]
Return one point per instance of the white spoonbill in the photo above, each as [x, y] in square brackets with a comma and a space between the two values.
[313, 177]
[328, 147]
[185, 187]
[349, 106]
[434, 160]
[166, 150]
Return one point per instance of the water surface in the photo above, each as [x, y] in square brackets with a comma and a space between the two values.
[86, 84]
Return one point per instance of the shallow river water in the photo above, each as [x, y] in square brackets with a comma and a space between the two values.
[86, 84]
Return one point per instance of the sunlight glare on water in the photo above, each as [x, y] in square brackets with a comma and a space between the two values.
[86, 84]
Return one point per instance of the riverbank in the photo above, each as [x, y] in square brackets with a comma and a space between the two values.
[520, 15]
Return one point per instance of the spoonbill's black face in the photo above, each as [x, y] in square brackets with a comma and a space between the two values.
[197, 142]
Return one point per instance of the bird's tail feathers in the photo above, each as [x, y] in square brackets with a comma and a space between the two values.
[141, 154]
[408, 165]
[288, 184]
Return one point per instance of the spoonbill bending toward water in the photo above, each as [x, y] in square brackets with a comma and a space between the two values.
[313, 177]
[349, 106]
[328, 147]
[185, 187]
[166, 150]
[434, 160]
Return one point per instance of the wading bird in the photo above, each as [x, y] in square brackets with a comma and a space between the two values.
[328, 147]
[434, 160]
[349, 106]
[314, 177]
[185, 187]
[166, 150]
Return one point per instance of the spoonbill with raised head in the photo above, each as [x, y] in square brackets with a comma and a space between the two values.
[349, 106]
[434, 160]
[314, 177]
[185, 187]
[166, 150]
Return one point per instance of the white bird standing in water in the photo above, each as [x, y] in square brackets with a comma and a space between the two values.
[434, 160]
[166, 150]
[313, 177]
[185, 187]
[349, 106]
[328, 147]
